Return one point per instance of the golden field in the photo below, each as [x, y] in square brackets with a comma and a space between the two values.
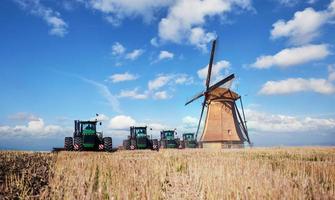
[258, 173]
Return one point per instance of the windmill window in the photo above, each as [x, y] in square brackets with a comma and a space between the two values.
[229, 132]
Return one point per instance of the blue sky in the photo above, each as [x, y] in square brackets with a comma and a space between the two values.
[137, 62]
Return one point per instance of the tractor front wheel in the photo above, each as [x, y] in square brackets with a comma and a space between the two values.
[68, 144]
[78, 144]
[155, 144]
[108, 144]
[133, 144]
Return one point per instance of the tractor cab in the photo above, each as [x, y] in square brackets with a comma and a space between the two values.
[168, 139]
[188, 136]
[139, 134]
[189, 140]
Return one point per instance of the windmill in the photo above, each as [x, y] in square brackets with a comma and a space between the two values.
[224, 126]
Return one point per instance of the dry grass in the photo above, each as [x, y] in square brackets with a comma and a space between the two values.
[278, 173]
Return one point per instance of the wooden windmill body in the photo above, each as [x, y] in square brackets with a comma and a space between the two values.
[224, 126]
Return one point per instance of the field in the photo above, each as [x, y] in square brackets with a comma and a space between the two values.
[269, 173]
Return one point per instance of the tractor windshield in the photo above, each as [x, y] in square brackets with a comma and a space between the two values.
[169, 135]
[189, 136]
[140, 132]
[88, 126]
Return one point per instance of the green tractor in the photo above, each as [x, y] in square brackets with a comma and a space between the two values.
[86, 137]
[139, 139]
[189, 141]
[168, 139]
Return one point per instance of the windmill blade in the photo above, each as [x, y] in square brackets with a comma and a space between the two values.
[202, 112]
[218, 84]
[195, 98]
[210, 65]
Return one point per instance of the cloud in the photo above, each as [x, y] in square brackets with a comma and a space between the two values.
[134, 54]
[217, 70]
[293, 56]
[162, 80]
[276, 123]
[190, 122]
[51, 17]
[154, 42]
[117, 10]
[134, 94]
[105, 92]
[35, 128]
[118, 49]
[115, 78]
[331, 70]
[23, 116]
[159, 82]
[165, 55]
[186, 18]
[121, 122]
[294, 85]
[305, 25]
[161, 95]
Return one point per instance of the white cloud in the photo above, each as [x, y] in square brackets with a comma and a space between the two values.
[119, 9]
[200, 39]
[186, 18]
[134, 94]
[293, 85]
[51, 17]
[161, 95]
[217, 70]
[134, 54]
[275, 123]
[190, 122]
[105, 92]
[165, 55]
[23, 116]
[183, 79]
[154, 42]
[118, 49]
[169, 79]
[159, 82]
[293, 56]
[121, 122]
[115, 78]
[331, 70]
[305, 25]
[36, 128]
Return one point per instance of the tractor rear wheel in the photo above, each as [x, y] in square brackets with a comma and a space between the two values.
[108, 146]
[78, 144]
[155, 144]
[68, 143]
[126, 144]
[133, 145]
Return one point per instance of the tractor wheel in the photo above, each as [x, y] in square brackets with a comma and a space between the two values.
[182, 145]
[133, 145]
[126, 144]
[155, 144]
[108, 144]
[78, 144]
[68, 144]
